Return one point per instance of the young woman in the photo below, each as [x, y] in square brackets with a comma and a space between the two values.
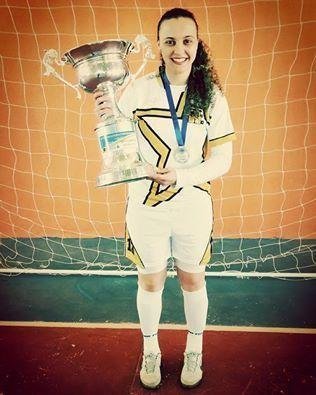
[184, 131]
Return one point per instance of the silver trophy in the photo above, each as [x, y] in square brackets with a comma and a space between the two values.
[103, 66]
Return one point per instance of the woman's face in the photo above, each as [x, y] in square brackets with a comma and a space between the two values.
[178, 44]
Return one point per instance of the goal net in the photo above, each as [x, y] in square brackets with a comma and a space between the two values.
[54, 219]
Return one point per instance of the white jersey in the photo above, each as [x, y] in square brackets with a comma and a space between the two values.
[145, 100]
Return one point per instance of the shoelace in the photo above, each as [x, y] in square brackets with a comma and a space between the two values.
[191, 361]
[150, 362]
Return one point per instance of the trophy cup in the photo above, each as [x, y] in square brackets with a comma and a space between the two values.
[103, 66]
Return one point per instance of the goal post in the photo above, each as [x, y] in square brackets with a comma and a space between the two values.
[54, 220]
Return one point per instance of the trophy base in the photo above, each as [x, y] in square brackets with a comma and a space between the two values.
[114, 177]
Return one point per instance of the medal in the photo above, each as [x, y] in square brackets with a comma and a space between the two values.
[181, 155]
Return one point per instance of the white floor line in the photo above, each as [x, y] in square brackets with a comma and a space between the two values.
[125, 325]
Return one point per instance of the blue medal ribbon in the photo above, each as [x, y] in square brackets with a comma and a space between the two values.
[180, 135]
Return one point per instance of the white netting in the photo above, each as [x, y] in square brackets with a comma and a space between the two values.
[52, 217]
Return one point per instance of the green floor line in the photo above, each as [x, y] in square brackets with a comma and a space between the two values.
[232, 301]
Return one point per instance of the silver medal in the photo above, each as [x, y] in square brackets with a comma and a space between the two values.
[181, 154]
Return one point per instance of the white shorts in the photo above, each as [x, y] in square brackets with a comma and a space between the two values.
[180, 228]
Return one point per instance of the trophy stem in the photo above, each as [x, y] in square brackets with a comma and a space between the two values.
[108, 88]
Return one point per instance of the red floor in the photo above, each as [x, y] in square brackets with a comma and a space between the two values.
[60, 361]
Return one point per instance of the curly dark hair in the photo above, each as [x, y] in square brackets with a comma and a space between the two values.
[203, 76]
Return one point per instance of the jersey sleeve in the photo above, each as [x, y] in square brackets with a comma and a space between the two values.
[220, 128]
[217, 165]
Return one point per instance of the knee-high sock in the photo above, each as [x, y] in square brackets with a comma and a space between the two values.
[195, 308]
[149, 307]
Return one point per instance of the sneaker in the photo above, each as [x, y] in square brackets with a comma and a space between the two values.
[191, 374]
[150, 375]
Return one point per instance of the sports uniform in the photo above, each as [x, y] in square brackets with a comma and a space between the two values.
[175, 220]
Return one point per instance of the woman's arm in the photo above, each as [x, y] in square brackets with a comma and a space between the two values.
[215, 166]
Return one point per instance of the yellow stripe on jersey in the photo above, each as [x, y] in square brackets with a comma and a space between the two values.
[207, 254]
[206, 186]
[155, 195]
[154, 112]
[158, 145]
[208, 250]
[162, 112]
[130, 250]
[180, 105]
[222, 139]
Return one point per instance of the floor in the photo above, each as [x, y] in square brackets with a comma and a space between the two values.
[78, 335]
[37, 360]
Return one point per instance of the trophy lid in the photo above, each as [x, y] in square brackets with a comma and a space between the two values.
[86, 51]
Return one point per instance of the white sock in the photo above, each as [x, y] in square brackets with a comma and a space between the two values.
[195, 308]
[149, 310]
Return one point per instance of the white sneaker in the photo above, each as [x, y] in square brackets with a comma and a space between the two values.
[150, 375]
[191, 374]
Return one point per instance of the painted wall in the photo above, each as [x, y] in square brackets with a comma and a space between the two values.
[265, 54]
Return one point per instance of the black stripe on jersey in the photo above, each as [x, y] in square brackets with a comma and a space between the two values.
[209, 248]
[206, 187]
[152, 112]
[158, 112]
[207, 253]
[223, 139]
[130, 250]
[157, 144]
[155, 195]
[180, 104]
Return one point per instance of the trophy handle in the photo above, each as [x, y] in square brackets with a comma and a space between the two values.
[51, 57]
[141, 42]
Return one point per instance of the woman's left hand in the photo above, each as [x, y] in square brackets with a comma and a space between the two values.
[164, 177]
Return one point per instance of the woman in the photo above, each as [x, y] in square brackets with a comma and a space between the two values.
[181, 113]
